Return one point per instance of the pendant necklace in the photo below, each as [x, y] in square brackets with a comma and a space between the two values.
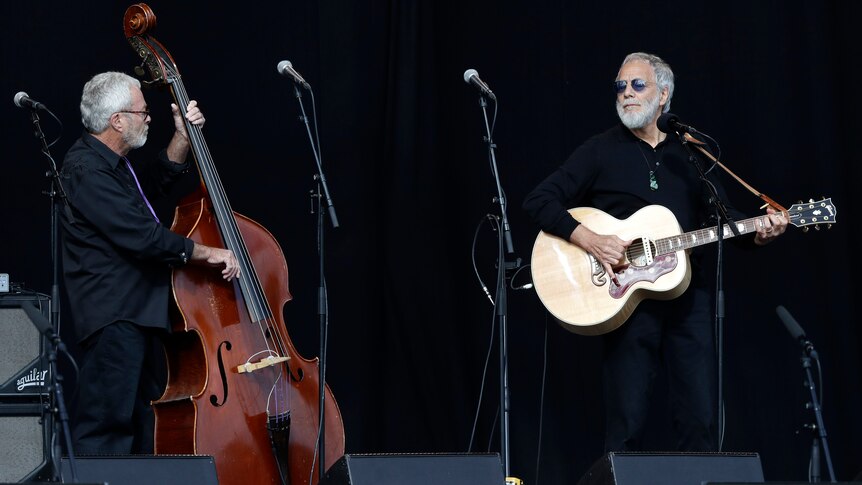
[653, 182]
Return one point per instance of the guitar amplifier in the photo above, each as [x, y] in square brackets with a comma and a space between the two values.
[24, 440]
[23, 360]
[24, 418]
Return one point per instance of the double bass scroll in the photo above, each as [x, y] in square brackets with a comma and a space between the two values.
[237, 388]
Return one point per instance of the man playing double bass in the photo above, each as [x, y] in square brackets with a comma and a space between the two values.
[117, 260]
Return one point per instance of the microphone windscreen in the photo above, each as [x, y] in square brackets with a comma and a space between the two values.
[282, 65]
[18, 97]
[470, 73]
[666, 121]
[790, 323]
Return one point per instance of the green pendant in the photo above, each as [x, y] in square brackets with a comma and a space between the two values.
[653, 183]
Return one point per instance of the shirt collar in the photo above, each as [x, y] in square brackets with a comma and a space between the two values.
[626, 134]
[109, 155]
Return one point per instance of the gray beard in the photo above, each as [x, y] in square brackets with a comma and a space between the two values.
[136, 140]
[639, 119]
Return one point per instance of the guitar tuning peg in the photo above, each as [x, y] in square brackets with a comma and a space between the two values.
[139, 71]
[817, 227]
[805, 229]
[799, 201]
[828, 226]
[810, 200]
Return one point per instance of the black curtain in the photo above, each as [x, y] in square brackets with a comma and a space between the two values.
[403, 149]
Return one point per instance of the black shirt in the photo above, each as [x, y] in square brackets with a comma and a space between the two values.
[116, 257]
[610, 172]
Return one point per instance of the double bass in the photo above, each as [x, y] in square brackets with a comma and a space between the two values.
[237, 389]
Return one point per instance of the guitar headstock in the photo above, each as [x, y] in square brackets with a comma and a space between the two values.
[813, 213]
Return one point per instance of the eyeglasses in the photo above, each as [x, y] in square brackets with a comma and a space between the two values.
[145, 112]
[637, 84]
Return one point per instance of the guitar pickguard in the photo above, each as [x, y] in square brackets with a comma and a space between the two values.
[633, 274]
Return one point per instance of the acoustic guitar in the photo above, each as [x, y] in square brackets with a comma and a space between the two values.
[575, 288]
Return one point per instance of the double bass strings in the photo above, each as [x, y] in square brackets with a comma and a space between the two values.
[258, 306]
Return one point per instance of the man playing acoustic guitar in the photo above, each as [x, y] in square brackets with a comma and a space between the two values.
[620, 171]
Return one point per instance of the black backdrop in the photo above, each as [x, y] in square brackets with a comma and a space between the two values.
[402, 144]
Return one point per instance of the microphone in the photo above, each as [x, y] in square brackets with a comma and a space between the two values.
[285, 68]
[795, 330]
[669, 122]
[472, 77]
[22, 100]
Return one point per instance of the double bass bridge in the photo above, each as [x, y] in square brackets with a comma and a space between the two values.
[263, 363]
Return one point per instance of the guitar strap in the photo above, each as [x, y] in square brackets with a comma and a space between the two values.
[765, 198]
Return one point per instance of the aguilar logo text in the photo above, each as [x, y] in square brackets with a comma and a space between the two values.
[35, 377]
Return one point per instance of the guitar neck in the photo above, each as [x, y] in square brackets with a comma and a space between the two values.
[705, 236]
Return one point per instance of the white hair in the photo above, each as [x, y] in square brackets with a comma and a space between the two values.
[663, 72]
[104, 95]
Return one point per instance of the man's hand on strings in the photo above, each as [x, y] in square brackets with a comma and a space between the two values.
[609, 251]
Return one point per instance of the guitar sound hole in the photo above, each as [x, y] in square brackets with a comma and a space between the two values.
[637, 255]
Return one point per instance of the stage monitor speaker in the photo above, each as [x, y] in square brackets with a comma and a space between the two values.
[416, 469]
[24, 443]
[673, 469]
[23, 364]
[144, 469]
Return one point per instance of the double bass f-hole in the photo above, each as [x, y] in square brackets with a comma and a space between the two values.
[213, 398]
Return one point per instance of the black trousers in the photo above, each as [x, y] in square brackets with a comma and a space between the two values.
[676, 336]
[122, 372]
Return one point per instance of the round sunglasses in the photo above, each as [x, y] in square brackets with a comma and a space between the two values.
[637, 84]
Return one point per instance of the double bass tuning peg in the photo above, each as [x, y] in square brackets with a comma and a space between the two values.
[140, 72]
[139, 69]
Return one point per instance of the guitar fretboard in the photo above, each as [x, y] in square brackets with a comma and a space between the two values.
[705, 236]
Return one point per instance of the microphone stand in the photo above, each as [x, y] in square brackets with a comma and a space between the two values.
[322, 301]
[315, 148]
[501, 199]
[818, 428]
[501, 305]
[58, 406]
[51, 329]
[722, 217]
